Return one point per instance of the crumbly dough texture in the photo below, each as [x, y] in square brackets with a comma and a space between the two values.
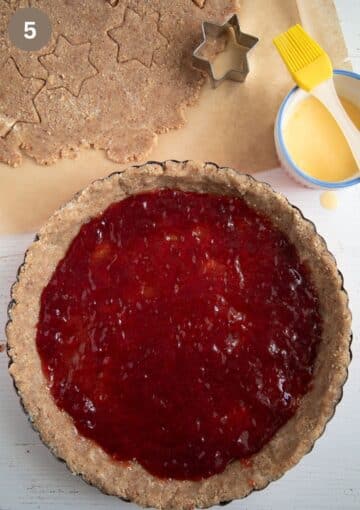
[130, 480]
[114, 74]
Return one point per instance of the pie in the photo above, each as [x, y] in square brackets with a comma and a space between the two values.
[179, 334]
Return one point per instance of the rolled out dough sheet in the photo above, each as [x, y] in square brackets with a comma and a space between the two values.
[231, 125]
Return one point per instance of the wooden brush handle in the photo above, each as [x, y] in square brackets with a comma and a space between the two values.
[326, 94]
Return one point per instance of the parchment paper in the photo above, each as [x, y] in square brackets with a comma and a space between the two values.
[231, 125]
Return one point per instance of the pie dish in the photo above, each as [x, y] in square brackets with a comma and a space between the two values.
[179, 334]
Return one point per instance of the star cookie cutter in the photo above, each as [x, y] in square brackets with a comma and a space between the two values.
[245, 42]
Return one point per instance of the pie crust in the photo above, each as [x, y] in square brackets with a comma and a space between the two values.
[129, 480]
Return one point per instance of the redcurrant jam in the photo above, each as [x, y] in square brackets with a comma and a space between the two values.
[180, 330]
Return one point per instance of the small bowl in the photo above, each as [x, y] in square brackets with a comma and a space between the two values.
[347, 84]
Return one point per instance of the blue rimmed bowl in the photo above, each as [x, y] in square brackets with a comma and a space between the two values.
[347, 84]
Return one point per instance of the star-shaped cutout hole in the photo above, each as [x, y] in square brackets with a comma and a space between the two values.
[17, 95]
[223, 52]
[199, 3]
[147, 40]
[68, 66]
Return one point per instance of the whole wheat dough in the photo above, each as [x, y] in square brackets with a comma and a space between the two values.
[114, 75]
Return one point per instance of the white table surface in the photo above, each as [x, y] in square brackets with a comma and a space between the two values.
[328, 478]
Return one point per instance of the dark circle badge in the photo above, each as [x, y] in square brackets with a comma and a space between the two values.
[29, 29]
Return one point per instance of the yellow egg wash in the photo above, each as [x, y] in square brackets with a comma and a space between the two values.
[316, 143]
[329, 200]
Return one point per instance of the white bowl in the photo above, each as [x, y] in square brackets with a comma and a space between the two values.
[347, 84]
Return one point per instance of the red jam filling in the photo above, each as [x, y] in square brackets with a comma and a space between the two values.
[180, 330]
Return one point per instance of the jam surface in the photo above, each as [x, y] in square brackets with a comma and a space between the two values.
[180, 330]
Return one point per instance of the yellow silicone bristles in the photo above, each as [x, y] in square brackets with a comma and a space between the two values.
[307, 62]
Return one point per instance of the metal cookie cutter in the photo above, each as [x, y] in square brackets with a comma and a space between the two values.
[245, 41]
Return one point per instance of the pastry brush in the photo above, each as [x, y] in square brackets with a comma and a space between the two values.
[311, 69]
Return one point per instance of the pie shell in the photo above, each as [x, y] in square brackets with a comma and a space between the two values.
[129, 480]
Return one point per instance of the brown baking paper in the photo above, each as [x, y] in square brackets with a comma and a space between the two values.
[231, 125]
